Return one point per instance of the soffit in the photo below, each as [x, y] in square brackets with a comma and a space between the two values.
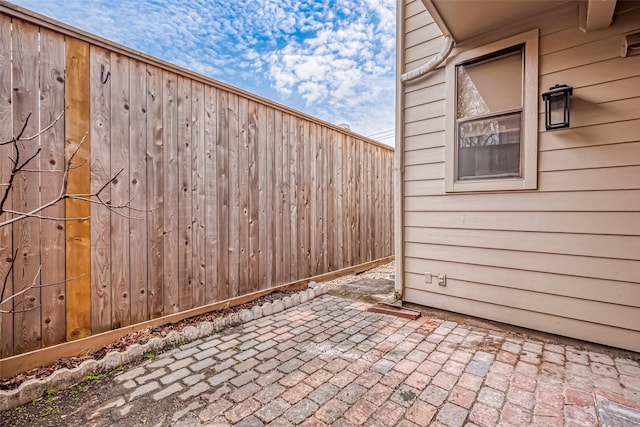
[465, 19]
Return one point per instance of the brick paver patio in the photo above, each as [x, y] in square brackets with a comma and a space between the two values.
[330, 362]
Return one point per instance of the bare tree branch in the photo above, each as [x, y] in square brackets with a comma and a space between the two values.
[19, 165]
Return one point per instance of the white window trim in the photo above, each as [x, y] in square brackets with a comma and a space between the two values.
[529, 139]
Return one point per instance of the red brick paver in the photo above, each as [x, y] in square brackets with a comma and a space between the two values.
[330, 362]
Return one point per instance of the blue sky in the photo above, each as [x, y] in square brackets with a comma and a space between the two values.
[333, 59]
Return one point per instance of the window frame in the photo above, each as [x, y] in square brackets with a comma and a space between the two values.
[529, 130]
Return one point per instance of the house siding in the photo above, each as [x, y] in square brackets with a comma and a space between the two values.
[564, 258]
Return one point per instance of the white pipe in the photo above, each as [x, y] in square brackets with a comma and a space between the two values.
[433, 63]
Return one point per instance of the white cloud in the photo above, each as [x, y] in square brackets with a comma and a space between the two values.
[331, 58]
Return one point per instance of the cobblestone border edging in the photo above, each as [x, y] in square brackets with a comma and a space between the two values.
[64, 378]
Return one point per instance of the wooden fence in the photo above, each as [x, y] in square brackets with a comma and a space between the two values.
[232, 193]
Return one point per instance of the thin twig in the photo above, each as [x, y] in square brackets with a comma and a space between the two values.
[32, 137]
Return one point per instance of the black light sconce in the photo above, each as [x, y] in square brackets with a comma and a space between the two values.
[556, 107]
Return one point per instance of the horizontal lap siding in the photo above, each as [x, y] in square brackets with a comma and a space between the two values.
[566, 257]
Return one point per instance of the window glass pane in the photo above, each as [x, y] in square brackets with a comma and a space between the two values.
[489, 148]
[490, 86]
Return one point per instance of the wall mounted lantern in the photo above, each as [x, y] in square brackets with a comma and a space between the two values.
[556, 107]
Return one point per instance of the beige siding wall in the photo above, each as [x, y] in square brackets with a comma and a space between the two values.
[564, 258]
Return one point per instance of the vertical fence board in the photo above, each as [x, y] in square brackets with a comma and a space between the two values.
[243, 195]
[271, 198]
[184, 220]
[100, 173]
[222, 165]
[313, 199]
[293, 192]
[26, 233]
[277, 191]
[307, 224]
[120, 254]
[155, 193]
[52, 161]
[170, 186]
[286, 197]
[211, 197]
[234, 197]
[254, 199]
[263, 250]
[6, 152]
[367, 200]
[138, 191]
[322, 199]
[78, 233]
[198, 194]
[338, 185]
[330, 215]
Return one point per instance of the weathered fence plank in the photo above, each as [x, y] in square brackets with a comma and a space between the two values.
[222, 189]
[51, 74]
[234, 196]
[170, 192]
[211, 196]
[6, 152]
[26, 233]
[293, 196]
[243, 195]
[120, 125]
[198, 195]
[155, 193]
[185, 207]
[253, 272]
[100, 173]
[138, 191]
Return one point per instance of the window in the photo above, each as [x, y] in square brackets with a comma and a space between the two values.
[492, 116]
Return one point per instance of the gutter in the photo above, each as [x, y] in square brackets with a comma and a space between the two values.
[433, 62]
[398, 160]
[398, 167]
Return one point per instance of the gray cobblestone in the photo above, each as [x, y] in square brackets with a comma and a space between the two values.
[452, 415]
[246, 365]
[324, 393]
[272, 410]
[222, 377]
[175, 376]
[142, 390]
[246, 354]
[209, 343]
[290, 366]
[244, 378]
[204, 354]
[129, 375]
[266, 345]
[164, 361]
[195, 390]
[351, 393]
[192, 379]
[203, 364]
[166, 392]
[151, 375]
[248, 344]
[477, 368]
[181, 364]
[301, 411]
[227, 354]
[186, 353]
[130, 384]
